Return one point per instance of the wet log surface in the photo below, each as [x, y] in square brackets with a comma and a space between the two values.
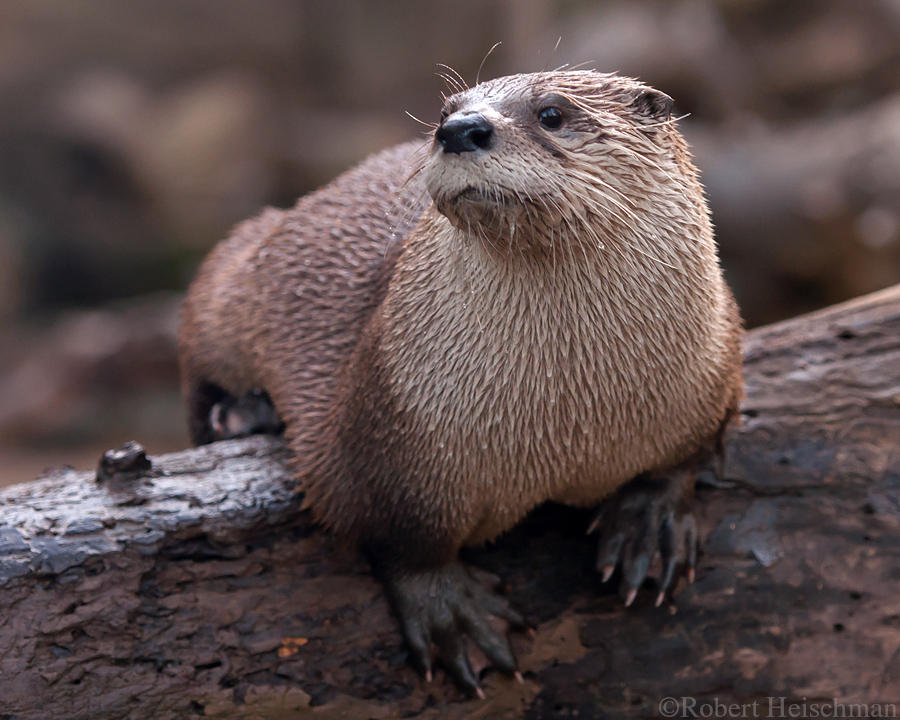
[202, 589]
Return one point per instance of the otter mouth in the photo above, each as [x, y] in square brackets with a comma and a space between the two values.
[482, 197]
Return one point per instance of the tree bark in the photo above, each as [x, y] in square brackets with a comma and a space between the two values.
[201, 588]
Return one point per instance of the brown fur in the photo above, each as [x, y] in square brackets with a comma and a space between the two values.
[552, 324]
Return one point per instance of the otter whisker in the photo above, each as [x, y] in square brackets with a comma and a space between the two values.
[583, 64]
[568, 242]
[400, 223]
[460, 80]
[649, 256]
[484, 60]
[452, 83]
[602, 183]
[622, 238]
[598, 184]
[644, 159]
[669, 122]
[429, 125]
[603, 211]
[586, 226]
[420, 157]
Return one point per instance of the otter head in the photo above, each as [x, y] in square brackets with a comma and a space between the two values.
[522, 161]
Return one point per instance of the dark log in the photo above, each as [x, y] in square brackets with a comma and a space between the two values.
[202, 589]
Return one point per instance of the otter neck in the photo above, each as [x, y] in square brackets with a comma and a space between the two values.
[543, 276]
[500, 234]
[450, 284]
[585, 242]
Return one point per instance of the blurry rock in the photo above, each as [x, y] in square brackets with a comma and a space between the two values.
[103, 106]
[10, 264]
[204, 154]
[879, 226]
[809, 215]
[723, 59]
[816, 57]
[356, 134]
[682, 47]
[83, 227]
[92, 373]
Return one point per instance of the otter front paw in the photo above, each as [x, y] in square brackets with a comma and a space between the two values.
[646, 516]
[444, 606]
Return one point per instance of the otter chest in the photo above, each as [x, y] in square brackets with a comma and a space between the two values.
[545, 385]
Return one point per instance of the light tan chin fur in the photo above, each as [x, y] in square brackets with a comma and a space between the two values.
[440, 375]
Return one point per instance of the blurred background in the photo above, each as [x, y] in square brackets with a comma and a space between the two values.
[134, 134]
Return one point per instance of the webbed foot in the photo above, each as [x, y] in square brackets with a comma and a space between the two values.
[648, 515]
[444, 606]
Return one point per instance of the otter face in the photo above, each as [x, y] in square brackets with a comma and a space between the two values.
[552, 152]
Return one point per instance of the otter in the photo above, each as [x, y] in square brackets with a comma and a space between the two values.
[528, 307]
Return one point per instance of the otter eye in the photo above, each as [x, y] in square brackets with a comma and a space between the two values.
[551, 117]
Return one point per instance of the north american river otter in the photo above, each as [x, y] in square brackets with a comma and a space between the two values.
[529, 307]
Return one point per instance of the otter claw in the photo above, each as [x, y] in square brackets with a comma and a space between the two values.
[444, 607]
[648, 516]
[678, 547]
[629, 598]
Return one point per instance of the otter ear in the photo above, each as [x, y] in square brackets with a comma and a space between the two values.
[652, 104]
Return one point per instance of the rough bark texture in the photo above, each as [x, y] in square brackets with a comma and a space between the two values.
[202, 589]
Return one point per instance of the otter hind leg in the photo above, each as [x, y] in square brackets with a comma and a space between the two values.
[215, 414]
[649, 515]
[250, 414]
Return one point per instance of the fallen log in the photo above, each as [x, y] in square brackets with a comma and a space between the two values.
[200, 588]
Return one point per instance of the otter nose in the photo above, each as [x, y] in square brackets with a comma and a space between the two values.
[465, 133]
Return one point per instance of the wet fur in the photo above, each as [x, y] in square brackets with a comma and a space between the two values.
[451, 341]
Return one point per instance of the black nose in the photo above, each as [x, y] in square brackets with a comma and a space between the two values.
[465, 133]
